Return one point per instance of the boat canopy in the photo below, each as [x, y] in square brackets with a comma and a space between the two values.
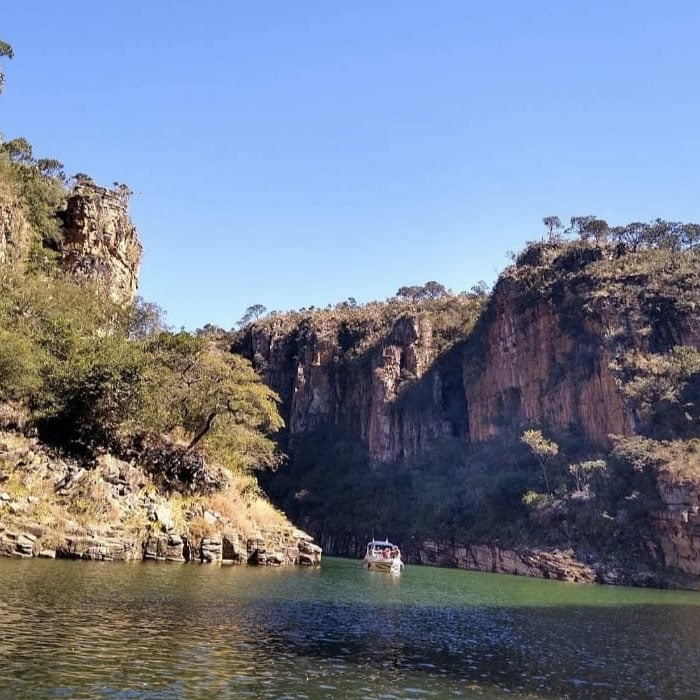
[379, 543]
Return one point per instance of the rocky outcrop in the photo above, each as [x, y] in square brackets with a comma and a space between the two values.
[110, 511]
[328, 377]
[533, 371]
[100, 242]
[561, 565]
[15, 232]
[539, 562]
[677, 524]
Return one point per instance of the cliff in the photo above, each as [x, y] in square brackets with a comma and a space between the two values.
[15, 232]
[423, 437]
[100, 241]
[91, 234]
[113, 441]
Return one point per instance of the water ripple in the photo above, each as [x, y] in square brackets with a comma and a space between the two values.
[76, 630]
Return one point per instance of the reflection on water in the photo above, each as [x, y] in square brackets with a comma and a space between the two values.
[79, 630]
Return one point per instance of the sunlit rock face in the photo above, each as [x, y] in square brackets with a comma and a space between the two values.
[15, 233]
[100, 241]
[326, 379]
[677, 522]
[534, 372]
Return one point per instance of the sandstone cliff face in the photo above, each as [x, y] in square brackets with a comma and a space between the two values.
[534, 373]
[325, 380]
[101, 242]
[15, 233]
[548, 352]
[678, 525]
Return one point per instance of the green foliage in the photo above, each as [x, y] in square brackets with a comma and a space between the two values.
[215, 398]
[39, 185]
[584, 472]
[544, 450]
[89, 394]
[20, 366]
[94, 374]
[664, 389]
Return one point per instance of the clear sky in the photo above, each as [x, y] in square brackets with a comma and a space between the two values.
[294, 153]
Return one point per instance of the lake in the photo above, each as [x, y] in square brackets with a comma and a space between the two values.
[92, 630]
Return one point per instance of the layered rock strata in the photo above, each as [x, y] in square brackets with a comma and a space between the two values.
[15, 232]
[51, 506]
[100, 242]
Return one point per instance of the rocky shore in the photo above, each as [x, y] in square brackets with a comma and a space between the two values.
[52, 506]
[548, 563]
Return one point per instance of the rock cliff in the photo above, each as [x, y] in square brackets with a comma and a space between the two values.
[329, 378]
[96, 238]
[100, 241]
[15, 232]
[380, 401]
[537, 370]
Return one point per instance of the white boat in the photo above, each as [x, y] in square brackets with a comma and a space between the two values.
[381, 555]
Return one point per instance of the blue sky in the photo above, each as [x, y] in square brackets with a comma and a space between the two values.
[299, 153]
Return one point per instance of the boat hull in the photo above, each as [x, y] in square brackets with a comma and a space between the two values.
[388, 566]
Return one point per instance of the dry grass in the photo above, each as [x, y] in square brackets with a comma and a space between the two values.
[681, 459]
[245, 507]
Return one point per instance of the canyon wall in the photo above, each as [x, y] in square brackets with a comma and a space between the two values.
[325, 380]
[547, 352]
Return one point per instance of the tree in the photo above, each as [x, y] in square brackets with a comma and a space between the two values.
[214, 399]
[583, 472]
[50, 167]
[544, 450]
[480, 289]
[633, 235]
[252, 314]
[554, 225]
[589, 227]
[19, 150]
[413, 293]
[5, 52]
[434, 290]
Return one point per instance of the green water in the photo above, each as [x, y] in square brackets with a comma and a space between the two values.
[88, 630]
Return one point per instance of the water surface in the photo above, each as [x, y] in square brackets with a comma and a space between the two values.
[91, 630]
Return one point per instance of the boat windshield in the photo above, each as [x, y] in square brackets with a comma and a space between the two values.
[382, 548]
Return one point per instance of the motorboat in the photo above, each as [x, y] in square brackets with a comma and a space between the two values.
[382, 555]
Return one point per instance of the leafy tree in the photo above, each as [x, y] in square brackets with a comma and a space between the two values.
[412, 292]
[583, 472]
[434, 290]
[20, 366]
[252, 314]
[544, 450]
[19, 150]
[590, 227]
[51, 168]
[554, 225]
[215, 398]
[89, 395]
